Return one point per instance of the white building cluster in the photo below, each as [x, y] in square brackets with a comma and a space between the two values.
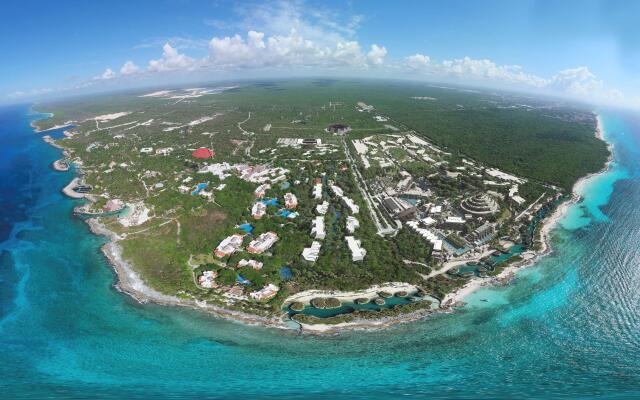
[348, 202]
[427, 234]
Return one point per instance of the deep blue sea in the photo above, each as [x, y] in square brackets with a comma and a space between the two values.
[567, 327]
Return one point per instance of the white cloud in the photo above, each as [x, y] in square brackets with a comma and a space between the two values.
[106, 75]
[376, 55]
[18, 94]
[474, 70]
[171, 60]
[256, 50]
[129, 68]
[293, 36]
[418, 61]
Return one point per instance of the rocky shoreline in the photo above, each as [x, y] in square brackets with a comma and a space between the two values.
[130, 283]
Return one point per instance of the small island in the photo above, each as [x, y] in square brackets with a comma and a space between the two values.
[321, 205]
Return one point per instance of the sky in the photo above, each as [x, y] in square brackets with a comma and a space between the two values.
[585, 49]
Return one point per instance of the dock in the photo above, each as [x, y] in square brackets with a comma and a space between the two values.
[75, 189]
[60, 165]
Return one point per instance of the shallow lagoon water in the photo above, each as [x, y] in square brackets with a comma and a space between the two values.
[567, 327]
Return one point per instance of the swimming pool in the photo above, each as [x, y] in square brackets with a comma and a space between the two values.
[199, 188]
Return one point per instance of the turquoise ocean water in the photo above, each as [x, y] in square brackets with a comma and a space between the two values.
[567, 327]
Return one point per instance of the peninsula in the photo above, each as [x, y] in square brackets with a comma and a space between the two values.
[320, 204]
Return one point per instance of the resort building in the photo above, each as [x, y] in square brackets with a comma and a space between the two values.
[265, 293]
[235, 292]
[207, 279]
[261, 190]
[218, 169]
[312, 253]
[351, 205]
[513, 195]
[258, 210]
[229, 245]
[352, 224]
[435, 210]
[113, 205]
[337, 190]
[454, 223]
[317, 191]
[338, 129]
[480, 204]
[483, 234]
[255, 264]
[203, 153]
[399, 208]
[427, 234]
[317, 228]
[357, 251]
[322, 208]
[262, 243]
[165, 151]
[290, 201]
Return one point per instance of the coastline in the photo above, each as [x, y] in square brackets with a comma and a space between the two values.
[129, 281]
[546, 226]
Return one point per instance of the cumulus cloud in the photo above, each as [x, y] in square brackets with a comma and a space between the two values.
[376, 55]
[577, 82]
[171, 60]
[106, 75]
[470, 69]
[418, 61]
[290, 50]
[129, 68]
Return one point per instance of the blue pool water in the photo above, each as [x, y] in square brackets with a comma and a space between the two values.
[199, 188]
[270, 202]
[246, 227]
[286, 273]
[242, 280]
[567, 327]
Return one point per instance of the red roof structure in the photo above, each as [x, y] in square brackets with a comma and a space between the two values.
[203, 153]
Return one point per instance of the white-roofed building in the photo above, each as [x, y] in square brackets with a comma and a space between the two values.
[229, 245]
[207, 279]
[312, 253]
[261, 190]
[317, 191]
[322, 208]
[262, 243]
[255, 264]
[290, 201]
[258, 210]
[352, 224]
[353, 207]
[265, 293]
[317, 228]
[357, 251]
[337, 190]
